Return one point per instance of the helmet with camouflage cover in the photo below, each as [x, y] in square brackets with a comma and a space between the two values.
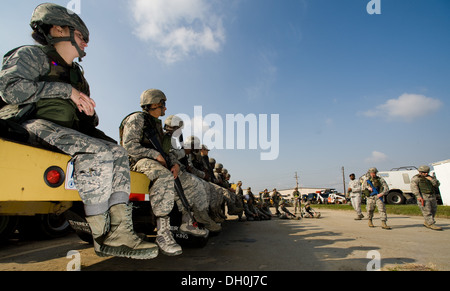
[219, 167]
[174, 122]
[373, 170]
[49, 14]
[152, 96]
[193, 142]
[424, 169]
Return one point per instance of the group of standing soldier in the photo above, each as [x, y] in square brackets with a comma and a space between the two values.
[374, 188]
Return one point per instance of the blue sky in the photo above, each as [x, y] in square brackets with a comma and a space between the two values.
[351, 89]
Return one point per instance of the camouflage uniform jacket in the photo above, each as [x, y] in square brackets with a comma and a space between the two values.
[382, 187]
[135, 141]
[19, 78]
[26, 78]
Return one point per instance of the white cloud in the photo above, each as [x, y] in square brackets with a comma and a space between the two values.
[376, 157]
[176, 29]
[407, 107]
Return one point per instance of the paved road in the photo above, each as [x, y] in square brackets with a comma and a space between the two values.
[332, 243]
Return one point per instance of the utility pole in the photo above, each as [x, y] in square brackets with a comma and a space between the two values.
[343, 179]
[296, 178]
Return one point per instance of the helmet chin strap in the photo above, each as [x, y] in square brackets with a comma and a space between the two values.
[52, 40]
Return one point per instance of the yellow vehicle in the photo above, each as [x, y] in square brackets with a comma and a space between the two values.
[37, 189]
[38, 197]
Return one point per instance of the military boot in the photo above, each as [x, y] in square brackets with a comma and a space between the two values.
[187, 226]
[203, 218]
[371, 223]
[99, 225]
[432, 226]
[384, 225]
[164, 238]
[122, 241]
[359, 217]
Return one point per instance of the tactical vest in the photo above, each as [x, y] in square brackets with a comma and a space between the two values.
[425, 186]
[61, 111]
[376, 183]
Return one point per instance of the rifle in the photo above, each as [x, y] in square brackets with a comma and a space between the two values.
[374, 190]
[208, 169]
[151, 135]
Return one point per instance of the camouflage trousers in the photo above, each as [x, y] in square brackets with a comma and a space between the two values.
[162, 191]
[163, 195]
[215, 194]
[429, 209]
[101, 168]
[373, 202]
[195, 191]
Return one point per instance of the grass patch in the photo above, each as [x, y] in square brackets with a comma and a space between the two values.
[410, 210]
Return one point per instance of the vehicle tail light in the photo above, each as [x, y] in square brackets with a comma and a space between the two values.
[54, 177]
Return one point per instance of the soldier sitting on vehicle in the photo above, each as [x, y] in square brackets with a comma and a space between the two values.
[190, 176]
[139, 133]
[44, 81]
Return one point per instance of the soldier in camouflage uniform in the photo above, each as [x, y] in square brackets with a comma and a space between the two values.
[376, 188]
[276, 198]
[196, 189]
[63, 117]
[136, 131]
[218, 194]
[240, 199]
[234, 204]
[424, 186]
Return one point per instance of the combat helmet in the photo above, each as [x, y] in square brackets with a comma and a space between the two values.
[424, 169]
[152, 96]
[193, 143]
[173, 122]
[373, 170]
[218, 167]
[53, 14]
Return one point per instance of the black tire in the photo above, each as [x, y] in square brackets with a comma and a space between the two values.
[396, 198]
[8, 225]
[77, 220]
[44, 226]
